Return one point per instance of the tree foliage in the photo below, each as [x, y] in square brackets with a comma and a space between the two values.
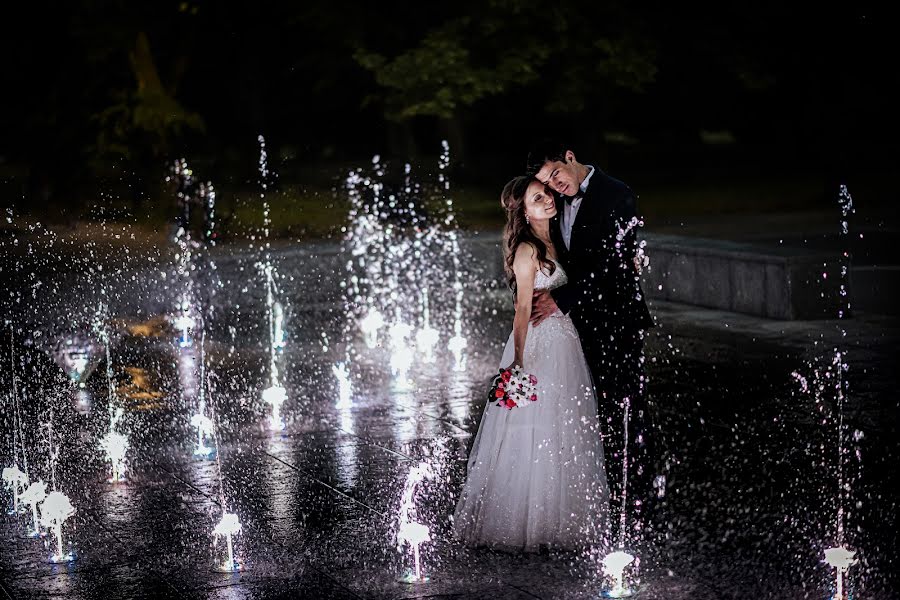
[145, 117]
[506, 45]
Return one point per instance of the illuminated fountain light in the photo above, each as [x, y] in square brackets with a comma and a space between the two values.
[34, 495]
[397, 245]
[428, 336]
[412, 533]
[401, 353]
[345, 386]
[275, 397]
[16, 480]
[185, 323]
[370, 325]
[399, 332]
[614, 565]
[426, 339]
[115, 445]
[841, 559]
[227, 527]
[55, 509]
[204, 427]
[279, 339]
[457, 345]
[401, 361]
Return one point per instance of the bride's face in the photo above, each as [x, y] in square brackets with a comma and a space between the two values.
[539, 202]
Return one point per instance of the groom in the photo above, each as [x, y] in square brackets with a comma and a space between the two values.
[595, 237]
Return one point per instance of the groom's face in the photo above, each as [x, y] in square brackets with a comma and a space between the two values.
[561, 176]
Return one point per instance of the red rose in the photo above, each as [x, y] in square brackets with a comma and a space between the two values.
[499, 394]
[534, 397]
[507, 376]
[510, 404]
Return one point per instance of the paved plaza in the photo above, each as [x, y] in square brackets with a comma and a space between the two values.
[747, 510]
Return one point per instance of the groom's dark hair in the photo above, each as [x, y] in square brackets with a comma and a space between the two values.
[543, 151]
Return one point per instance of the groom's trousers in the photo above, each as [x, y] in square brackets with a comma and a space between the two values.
[616, 362]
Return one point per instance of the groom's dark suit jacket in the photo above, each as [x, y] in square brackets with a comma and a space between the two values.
[603, 294]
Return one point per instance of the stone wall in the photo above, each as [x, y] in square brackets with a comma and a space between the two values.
[773, 282]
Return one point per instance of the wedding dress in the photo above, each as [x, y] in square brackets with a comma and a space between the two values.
[536, 474]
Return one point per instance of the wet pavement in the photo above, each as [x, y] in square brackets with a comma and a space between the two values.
[749, 503]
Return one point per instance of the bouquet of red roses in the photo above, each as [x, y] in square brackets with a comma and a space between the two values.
[513, 388]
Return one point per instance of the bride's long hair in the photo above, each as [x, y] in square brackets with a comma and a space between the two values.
[518, 230]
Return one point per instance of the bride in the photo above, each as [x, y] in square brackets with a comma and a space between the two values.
[536, 474]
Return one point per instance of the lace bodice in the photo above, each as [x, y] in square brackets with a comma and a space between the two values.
[548, 282]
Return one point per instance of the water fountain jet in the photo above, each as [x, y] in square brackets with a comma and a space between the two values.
[55, 509]
[34, 495]
[841, 559]
[427, 337]
[614, 565]
[370, 324]
[16, 480]
[400, 245]
[13, 477]
[839, 556]
[204, 427]
[115, 445]
[227, 527]
[185, 323]
[345, 386]
[279, 338]
[457, 345]
[274, 396]
[411, 532]
[401, 353]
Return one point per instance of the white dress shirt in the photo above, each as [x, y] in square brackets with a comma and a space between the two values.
[570, 210]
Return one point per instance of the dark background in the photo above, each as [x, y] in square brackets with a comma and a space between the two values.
[100, 96]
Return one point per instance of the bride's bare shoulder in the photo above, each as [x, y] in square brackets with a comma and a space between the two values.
[526, 256]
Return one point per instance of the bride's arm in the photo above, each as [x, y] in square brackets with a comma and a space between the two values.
[525, 267]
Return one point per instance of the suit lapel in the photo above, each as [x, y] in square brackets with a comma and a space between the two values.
[557, 238]
[574, 237]
[582, 216]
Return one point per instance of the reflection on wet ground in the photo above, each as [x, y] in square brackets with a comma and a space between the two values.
[748, 509]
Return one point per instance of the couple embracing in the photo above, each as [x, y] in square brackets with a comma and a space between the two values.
[537, 476]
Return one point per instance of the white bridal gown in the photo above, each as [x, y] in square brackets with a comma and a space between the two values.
[536, 475]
